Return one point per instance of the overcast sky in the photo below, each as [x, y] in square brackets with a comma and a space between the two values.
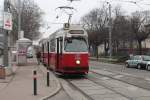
[49, 7]
[83, 7]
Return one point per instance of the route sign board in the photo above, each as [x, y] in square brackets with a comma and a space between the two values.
[7, 25]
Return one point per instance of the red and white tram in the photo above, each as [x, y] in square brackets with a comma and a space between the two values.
[66, 50]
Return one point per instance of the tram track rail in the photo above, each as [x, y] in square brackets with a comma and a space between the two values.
[87, 96]
[90, 97]
[145, 88]
[107, 87]
[96, 78]
[71, 85]
[122, 81]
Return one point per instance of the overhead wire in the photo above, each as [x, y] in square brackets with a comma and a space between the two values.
[61, 12]
[67, 9]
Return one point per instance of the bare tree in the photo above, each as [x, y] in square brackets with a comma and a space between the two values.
[95, 22]
[138, 30]
[31, 20]
[125, 29]
[121, 30]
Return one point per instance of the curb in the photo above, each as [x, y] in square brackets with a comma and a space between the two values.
[53, 93]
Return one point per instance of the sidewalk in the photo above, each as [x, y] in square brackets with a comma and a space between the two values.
[19, 86]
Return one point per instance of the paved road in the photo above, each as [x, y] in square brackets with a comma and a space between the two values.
[119, 68]
[103, 85]
[110, 82]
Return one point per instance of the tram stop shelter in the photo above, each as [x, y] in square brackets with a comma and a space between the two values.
[22, 46]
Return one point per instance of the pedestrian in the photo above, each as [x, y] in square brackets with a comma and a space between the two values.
[38, 56]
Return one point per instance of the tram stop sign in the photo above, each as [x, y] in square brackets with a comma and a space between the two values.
[7, 25]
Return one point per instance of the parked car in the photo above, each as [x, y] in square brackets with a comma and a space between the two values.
[139, 61]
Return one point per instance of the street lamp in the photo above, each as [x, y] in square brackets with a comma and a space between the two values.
[6, 59]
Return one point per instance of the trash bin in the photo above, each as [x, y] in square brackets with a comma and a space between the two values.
[2, 72]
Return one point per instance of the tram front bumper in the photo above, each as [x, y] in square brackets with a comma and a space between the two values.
[77, 69]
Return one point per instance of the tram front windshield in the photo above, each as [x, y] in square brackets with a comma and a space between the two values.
[75, 44]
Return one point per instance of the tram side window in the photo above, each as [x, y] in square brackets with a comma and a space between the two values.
[52, 46]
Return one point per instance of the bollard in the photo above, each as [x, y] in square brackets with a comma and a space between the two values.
[34, 82]
[48, 78]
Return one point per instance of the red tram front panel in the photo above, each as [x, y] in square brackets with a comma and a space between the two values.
[72, 63]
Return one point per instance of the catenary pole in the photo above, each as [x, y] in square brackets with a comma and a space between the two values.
[19, 18]
[110, 31]
[5, 59]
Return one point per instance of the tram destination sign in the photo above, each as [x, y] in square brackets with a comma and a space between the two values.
[76, 32]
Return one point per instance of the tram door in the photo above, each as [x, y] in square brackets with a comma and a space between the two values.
[59, 52]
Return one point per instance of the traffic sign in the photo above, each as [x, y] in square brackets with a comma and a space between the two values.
[7, 21]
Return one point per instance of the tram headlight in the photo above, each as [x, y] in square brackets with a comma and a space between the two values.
[78, 62]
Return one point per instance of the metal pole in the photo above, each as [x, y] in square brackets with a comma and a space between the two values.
[48, 78]
[5, 59]
[19, 18]
[110, 32]
[34, 82]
